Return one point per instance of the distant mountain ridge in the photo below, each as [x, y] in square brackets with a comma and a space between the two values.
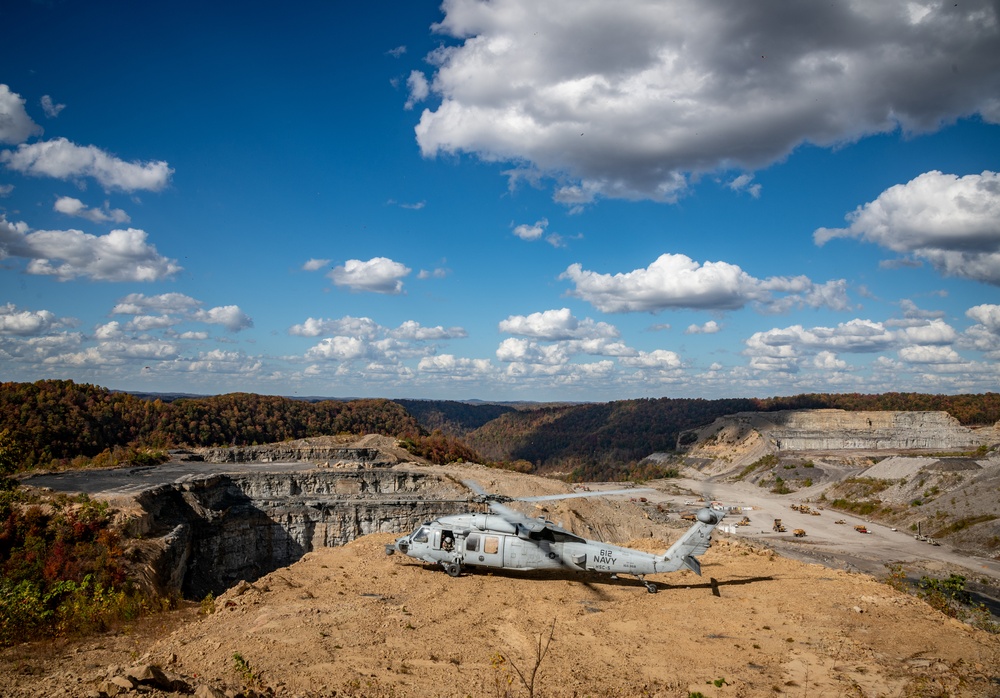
[61, 420]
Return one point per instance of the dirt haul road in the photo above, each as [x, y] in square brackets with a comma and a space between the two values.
[825, 540]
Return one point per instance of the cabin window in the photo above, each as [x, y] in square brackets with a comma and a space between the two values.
[472, 543]
[420, 536]
[491, 545]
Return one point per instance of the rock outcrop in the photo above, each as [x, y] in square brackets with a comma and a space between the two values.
[371, 451]
[834, 430]
[216, 530]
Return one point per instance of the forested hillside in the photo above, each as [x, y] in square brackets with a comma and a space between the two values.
[605, 441]
[452, 417]
[61, 420]
[594, 441]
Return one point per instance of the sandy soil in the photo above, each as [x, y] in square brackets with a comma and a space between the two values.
[353, 622]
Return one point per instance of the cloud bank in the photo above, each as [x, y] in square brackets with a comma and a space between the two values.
[676, 281]
[627, 100]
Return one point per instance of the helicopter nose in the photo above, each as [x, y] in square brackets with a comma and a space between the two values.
[402, 545]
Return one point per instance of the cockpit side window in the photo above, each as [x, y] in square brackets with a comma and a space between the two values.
[421, 535]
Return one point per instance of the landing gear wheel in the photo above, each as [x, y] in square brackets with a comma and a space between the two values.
[453, 569]
[651, 587]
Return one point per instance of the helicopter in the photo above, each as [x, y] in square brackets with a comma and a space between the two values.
[507, 539]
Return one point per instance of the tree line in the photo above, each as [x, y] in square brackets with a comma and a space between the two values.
[607, 441]
[55, 421]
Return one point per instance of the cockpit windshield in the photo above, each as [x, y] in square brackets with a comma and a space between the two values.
[420, 536]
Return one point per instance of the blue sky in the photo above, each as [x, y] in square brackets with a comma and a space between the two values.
[506, 200]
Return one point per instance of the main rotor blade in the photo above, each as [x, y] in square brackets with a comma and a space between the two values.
[575, 495]
[475, 487]
[516, 517]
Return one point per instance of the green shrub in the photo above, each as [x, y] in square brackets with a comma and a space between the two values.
[63, 571]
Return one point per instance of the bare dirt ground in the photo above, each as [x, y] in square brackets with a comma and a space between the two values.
[351, 621]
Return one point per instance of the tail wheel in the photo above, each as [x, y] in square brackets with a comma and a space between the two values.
[651, 587]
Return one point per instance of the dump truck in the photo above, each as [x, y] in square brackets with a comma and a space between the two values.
[861, 529]
[799, 532]
[778, 526]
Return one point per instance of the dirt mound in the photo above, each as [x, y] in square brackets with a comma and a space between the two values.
[353, 621]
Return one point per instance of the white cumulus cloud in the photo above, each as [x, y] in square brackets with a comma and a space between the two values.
[950, 221]
[658, 358]
[140, 303]
[62, 159]
[987, 315]
[419, 89]
[533, 231]
[158, 311]
[677, 281]
[710, 327]
[455, 366]
[554, 325]
[121, 255]
[15, 124]
[787, 348]
[229, 316]
[377, 275]
[929, 355]
[627, 100]
[339, 349]
[412, 330]
[26, 323]
[314, 327]
[74, 207]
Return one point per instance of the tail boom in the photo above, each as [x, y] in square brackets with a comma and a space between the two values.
[694, 542]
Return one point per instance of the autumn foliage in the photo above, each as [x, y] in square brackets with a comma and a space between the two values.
[62, 568]
[63, 423]
[55, 421]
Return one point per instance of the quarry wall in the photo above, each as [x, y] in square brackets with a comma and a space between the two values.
[216, 530]
[837, 430]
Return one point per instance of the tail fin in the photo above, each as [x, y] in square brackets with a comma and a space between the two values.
[693, 543]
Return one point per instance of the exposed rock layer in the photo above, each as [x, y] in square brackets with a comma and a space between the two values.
[219, 529]
[829, 430]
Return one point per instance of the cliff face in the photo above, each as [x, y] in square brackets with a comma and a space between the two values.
[217, 530]
[370, 451]
[836, 430]
[283, 453]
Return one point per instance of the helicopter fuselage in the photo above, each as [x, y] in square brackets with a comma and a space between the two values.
[487, 540]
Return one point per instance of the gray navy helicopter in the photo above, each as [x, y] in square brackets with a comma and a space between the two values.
[507, 539]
